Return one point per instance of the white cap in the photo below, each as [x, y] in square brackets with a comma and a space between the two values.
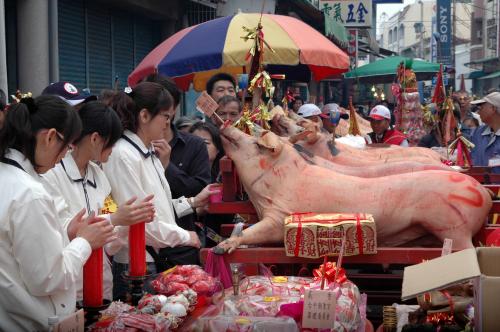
[308, 110]
[380, 112]
[493, 99]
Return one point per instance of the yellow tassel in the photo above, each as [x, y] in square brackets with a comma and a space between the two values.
[353, 121]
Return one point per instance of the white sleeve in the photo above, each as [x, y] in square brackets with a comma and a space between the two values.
[35, 229]
[125, 183]
[182, 207]
[50, 183]
[404, 143]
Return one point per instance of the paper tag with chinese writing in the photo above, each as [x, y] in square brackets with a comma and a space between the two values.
[73, 323]
[319, 309]
[447, 246]
[206, 104]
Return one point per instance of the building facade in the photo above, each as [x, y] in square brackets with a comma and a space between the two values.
[485, 44]
[93, 44]
[400, 32]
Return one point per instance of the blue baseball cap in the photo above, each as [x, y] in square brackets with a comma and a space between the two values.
[67, 92]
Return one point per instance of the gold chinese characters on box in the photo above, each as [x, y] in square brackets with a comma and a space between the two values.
[313, 235]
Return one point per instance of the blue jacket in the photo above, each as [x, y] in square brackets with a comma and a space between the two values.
[487, 146]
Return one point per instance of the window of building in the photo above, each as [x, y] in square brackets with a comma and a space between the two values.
[401, 32]
[390, 37]
[198, 13]
[98, 46]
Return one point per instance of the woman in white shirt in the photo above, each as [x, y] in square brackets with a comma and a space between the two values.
[78, 181]
[39, 261]
[137, 167]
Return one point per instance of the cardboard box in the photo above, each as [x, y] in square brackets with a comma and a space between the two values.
[482, 265]
[313, 235]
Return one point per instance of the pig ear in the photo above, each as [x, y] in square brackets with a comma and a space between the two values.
[271, 142]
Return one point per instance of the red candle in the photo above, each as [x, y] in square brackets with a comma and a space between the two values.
[137, 250]
[92, 280]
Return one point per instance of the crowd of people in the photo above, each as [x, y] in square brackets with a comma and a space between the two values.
[66, 156]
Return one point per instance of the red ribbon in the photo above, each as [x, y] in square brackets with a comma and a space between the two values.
[443, 317]
[359, 234]
[299, 231]
[330, 271]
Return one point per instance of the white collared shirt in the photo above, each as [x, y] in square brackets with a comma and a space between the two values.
[38, 265]
[71, 193]
[133, 171]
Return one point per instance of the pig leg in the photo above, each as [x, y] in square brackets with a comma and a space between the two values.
[266, 230]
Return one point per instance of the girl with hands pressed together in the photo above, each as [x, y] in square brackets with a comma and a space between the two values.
[39, 259]
[137, 167]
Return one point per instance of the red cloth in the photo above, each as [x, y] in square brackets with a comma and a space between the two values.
[439, 92]
[217, 267]
[391, 136]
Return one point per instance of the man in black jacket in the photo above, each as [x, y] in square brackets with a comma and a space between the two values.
[187, 173]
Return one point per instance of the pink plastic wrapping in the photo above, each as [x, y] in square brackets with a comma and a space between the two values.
[183, 277]
[350, 310]
[132, 322]
[245, 324]
[256, 305]
[271, 286]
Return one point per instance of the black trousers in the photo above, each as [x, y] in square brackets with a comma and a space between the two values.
[170, 257]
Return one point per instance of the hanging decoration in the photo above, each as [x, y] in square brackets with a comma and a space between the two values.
[408, 111]
[353, 121]
[463, 147]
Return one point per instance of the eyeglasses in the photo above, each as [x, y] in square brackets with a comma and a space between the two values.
[60, 136]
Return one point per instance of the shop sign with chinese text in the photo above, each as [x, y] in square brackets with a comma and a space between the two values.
[350, 13]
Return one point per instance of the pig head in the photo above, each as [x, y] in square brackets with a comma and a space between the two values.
[406, 207]
[307, 133]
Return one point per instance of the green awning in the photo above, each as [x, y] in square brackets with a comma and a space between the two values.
[484, 60]
[336, 30]
[492, 75]
[476, 74]
[385, 70]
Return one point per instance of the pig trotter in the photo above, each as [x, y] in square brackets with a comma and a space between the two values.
[228, 245]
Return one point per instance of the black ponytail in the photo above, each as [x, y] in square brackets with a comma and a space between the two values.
[27, 117]
[97, 117]
[146, 95]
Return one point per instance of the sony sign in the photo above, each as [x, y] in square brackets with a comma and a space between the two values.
[444, 50]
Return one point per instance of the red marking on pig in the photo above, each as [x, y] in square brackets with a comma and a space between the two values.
[457, 178]
[476, 202]
[454, 223]
[263, 163]
[270, 201]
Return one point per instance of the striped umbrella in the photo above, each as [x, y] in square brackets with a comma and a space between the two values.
[196, 53]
